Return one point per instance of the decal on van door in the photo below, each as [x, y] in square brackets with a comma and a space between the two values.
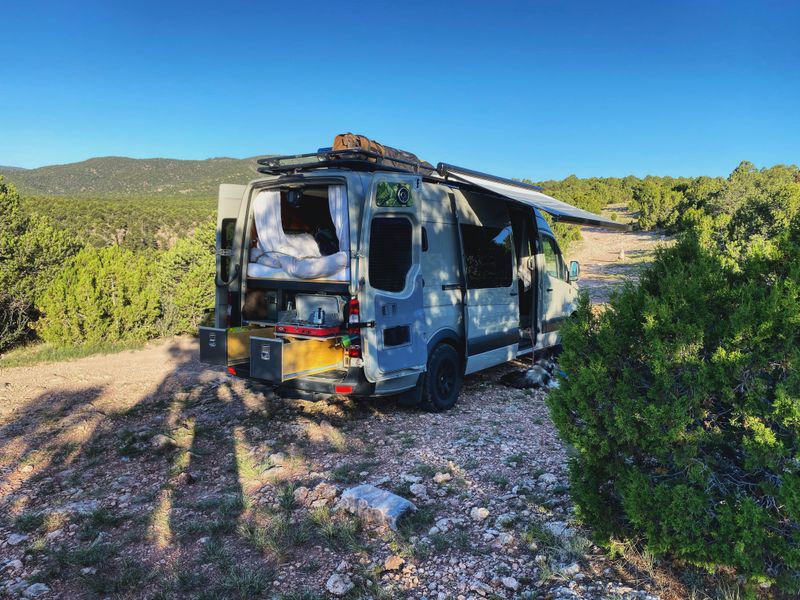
[394, 195]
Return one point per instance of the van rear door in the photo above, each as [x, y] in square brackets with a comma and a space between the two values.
[228, 267]
[395, 342]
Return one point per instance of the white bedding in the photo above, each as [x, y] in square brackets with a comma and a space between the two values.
[281, 255]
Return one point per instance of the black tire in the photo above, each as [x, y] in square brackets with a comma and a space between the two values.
[441, 383]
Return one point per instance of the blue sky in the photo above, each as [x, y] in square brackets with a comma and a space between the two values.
[519, 89]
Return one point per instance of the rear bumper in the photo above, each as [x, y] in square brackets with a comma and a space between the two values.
[322, 385]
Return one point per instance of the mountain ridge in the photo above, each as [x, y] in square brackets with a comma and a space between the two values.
[125, 177]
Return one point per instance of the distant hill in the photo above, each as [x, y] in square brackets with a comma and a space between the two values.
[120, 177]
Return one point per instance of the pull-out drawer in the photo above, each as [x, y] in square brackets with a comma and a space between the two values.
[281, 359]
[228, 346]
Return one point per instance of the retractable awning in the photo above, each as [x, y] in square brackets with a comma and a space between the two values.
[528, 194]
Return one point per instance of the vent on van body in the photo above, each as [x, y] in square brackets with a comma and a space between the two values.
[389, 253]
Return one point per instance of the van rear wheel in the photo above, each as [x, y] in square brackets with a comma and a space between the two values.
[441, 383]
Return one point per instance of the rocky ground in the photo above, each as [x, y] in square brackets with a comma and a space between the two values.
[144, 474]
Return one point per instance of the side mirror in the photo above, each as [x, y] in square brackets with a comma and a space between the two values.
[531, 263]
[574, 270]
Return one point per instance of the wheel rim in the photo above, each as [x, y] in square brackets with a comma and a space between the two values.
[445, 379]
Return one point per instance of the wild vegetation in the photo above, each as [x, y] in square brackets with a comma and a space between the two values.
[682, 397]
[70, 288]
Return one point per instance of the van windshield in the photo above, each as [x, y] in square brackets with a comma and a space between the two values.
[300, 233]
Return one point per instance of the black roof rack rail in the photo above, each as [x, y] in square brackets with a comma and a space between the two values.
[354, 159]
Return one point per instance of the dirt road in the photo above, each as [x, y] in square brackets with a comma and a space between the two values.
[609, 258]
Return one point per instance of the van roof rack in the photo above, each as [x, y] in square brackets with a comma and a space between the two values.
[354, 159]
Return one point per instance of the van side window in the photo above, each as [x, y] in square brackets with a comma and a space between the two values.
[389, 253]
[488, 254]
[227, 232]
[553, 263]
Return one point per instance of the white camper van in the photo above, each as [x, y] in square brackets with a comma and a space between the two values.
[349, 272]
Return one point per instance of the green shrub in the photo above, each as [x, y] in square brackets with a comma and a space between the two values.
[683, 404]
[186, 281]
[101, 295]
[14, 317]
[32, 251]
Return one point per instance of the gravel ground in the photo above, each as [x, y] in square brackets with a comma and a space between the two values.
[145, 474]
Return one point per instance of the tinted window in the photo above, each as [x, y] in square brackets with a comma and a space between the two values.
[389, 253]
[488, 255]
[552, 258]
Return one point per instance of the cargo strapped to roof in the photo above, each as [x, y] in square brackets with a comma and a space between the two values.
[529, 195]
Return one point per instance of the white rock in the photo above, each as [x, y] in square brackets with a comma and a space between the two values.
[433, 531]
[14, 565]
[505, 539]
[479, 513]
[35, 590]
[16, 538]
[419, 490]
[559, 529]
[510, 583]
[548, 479]
[571, 569]
[338, 585]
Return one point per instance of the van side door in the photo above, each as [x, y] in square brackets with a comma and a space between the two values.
[492, 297]
[390, 277]
[558, 297]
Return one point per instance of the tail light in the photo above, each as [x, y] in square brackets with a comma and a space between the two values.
[353, 330]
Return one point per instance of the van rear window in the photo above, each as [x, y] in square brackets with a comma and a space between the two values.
[389, 253]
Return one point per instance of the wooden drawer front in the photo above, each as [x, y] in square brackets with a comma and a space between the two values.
[279, 359]
[239, 342]
[228, 346]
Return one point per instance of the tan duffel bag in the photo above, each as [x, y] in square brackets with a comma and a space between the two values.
[352, 141]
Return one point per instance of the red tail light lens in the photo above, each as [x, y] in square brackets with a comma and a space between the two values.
[353, 319]
[231, 371]
[343, 389]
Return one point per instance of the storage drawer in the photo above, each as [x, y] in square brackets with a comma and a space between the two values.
[281, 359]
[220, 346]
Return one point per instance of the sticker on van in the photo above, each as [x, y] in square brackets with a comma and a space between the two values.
[394, 195]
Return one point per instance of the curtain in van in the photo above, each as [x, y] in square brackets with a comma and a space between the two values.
[337, 202]
[296, 255]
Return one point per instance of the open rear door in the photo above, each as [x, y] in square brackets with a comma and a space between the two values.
[395, 343]
[228, 267]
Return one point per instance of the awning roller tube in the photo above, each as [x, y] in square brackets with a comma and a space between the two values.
[530, 196]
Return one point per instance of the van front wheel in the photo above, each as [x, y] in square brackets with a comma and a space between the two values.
[441, 383]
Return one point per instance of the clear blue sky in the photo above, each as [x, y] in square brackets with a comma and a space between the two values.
[526, 89]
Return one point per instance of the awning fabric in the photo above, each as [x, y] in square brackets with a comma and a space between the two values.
[527, 194]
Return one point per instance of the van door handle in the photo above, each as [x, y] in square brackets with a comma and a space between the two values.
[549, 290]
[513, 294]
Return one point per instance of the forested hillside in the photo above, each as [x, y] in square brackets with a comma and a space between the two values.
[120, 177]
[132, 203]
